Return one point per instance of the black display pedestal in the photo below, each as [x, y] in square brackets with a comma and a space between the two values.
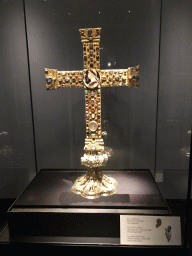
[48, 210]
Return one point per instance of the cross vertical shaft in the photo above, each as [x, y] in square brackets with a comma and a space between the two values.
[91, 63]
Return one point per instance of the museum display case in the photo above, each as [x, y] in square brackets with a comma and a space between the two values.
[108, 121]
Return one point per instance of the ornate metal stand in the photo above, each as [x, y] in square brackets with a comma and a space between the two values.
[94, 184]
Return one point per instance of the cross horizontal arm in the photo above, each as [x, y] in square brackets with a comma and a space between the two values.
[120, 77]
[57, 79]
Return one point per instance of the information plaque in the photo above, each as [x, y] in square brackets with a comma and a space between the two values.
[150, 230]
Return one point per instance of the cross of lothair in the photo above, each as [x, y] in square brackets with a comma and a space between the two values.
[92, 78]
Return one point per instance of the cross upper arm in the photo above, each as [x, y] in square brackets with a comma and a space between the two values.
[120, 77]
[57, 79]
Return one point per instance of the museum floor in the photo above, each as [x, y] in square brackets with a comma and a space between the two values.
[176, 206]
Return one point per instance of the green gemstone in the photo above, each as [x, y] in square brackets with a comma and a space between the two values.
[98, 66]
[98, 90]
[85, 66]
[86, 91]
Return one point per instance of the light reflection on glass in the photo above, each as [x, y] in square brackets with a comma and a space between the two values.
[185, 151]
[3, 133]
[108, 151]
[5, 151]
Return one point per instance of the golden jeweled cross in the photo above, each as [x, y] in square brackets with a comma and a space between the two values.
[94, 183]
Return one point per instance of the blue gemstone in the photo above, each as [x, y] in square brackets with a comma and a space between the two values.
[66, 79]
[136, 78]
[48, 79]
[90, 32]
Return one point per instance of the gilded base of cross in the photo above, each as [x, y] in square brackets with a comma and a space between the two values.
[94, 183]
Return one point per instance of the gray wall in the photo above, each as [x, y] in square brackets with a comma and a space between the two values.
[147, 127]
[175, 97]
[17, 159]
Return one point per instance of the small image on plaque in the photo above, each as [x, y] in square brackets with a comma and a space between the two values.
[159, 222]
[168, 233]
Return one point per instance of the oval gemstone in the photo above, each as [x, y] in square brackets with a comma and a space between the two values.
[48, 79]
[90, 32]
[66, 80]
[136, 78]
[93, 126]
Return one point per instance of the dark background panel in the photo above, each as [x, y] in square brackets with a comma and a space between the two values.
[130, 36]
[17, 159]
[174, 102]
